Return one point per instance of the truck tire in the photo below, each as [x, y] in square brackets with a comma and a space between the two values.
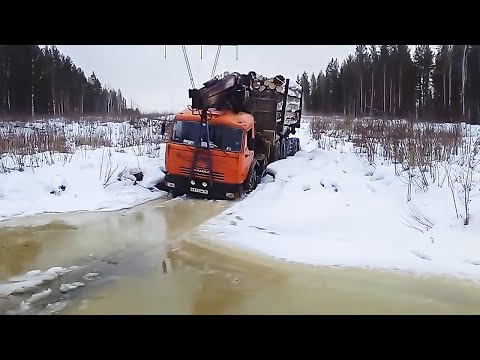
[278, 152]
[283, 149]
[299, 147]
[251, 182]
[291, 148]
[295, 145]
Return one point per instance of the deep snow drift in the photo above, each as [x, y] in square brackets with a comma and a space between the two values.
[330, 207]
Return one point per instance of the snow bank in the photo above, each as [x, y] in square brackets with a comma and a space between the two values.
[85, 180]
[330, 207]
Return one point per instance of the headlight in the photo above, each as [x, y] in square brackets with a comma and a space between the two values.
[192, 182]
[204, 184]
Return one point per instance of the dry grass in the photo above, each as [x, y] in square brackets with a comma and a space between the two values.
[397, 141]
[32, 144]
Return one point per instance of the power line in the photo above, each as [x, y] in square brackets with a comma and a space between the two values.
[188, 66]
[216, 61]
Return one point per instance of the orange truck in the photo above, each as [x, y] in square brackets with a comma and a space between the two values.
[221, 145]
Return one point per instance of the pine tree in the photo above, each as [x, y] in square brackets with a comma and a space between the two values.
[36, 81]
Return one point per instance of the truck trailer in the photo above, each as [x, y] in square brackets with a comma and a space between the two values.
[237, 124]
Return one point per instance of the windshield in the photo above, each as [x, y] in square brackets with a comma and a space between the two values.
[221, 137]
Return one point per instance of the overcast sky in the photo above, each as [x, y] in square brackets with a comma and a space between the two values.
[154, 83]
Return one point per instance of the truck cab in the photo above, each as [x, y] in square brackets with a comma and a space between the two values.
[223, 164]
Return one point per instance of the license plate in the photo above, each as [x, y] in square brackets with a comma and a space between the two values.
[201, 191]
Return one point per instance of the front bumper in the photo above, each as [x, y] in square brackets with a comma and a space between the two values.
[180, 184]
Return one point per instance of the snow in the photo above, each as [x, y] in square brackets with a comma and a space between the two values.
[18, 287]
[39, 296]
[55, 307]
[327, 206]
[332, 208]
[91, 276]
[30, 280]
[70, 286]
[85, 180]
[25, 305]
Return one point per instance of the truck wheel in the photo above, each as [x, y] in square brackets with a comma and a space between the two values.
[251, 183]
[278, 152]
[291, 149]
[294, 146]
[283, 149]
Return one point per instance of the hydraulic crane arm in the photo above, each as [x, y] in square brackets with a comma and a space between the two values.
[225, 93]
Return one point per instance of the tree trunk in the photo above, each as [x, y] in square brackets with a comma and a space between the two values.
[390, 97]
[361, 91]
[365, 103]
[8, 88]
[394, 102]
[384, 89]
[372, 95]
[450, 83]
[400, 91]
[444, 90]
[53, 94]
[33, 91]
[464, 78]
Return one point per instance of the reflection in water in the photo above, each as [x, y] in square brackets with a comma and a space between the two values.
[182, 215]
[215, 280]
[21, 246]
[44, 241]
[15, 256]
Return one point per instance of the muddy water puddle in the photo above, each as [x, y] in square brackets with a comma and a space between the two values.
[209, 280]
[152, 260]
[112, 244]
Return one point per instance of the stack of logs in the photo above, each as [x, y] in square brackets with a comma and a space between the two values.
[262, 83]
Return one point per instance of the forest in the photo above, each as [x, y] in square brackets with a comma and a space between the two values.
[431, 83]
[434, 83]
[39, 81]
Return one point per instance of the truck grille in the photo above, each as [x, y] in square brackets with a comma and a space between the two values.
[202, 173]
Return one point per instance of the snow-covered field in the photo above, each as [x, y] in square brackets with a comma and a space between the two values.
[330, 204]
[333, 207]
[85, 175]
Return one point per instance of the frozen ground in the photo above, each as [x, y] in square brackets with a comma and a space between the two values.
[84, 180]
[90, 181]
[330, 207]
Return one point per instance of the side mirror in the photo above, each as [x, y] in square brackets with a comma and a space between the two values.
[251, 144]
